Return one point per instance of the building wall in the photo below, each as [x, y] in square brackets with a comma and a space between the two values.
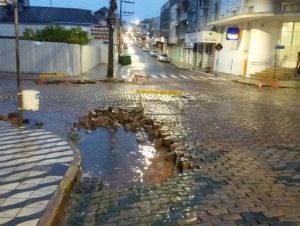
[264, 36]
[176, 53]
[290, 38]
[154, 27]
[90, 57]
[253, 52]
[231, 59]
[173, 33]
[165, 19]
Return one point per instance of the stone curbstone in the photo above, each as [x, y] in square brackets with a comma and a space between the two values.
[52, 213]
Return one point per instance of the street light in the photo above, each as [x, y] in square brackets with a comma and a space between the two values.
[14, 3]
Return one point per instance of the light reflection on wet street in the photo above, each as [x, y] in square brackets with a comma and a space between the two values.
[245, 141]
[118, 159]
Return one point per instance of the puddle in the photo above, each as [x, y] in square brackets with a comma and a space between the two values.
[120, 158]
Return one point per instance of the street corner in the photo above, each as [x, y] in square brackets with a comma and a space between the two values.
[38, 169]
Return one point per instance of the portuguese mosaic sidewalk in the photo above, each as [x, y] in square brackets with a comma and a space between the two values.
[33, 164]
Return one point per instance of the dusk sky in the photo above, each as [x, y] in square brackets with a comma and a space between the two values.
[142, 8]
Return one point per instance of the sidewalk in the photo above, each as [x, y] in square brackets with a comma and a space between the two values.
[98, 73]
[37, 168]
[293, 83]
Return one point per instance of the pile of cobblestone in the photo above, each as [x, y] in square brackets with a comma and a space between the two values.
[134, 119]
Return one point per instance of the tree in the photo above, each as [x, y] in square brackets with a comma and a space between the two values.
[56, 33]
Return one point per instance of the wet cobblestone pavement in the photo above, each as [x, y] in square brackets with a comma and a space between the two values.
[245, 140]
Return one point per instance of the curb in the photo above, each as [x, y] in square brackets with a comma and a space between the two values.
[52, 213]
[267, 85]
[7, 97]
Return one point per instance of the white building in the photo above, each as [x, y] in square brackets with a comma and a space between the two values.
[35, 17]
[174, 24]
[255, 27]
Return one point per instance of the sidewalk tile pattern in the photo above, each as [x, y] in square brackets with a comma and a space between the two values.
[32, 164]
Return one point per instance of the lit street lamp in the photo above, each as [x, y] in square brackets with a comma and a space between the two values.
[14, 3]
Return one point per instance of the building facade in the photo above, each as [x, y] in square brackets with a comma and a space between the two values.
[232, 36]
[261, 25]
[35, 17]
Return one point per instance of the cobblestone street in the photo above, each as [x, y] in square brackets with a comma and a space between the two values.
[244, 140]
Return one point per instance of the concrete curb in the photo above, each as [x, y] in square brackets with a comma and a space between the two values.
[52, 213]
[266, 85]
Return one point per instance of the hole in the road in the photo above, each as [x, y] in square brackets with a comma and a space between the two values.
[120, 148]
[123, 147]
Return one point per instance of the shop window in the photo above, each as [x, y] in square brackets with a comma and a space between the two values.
[200, 48]
[208, 48]
[296, 35]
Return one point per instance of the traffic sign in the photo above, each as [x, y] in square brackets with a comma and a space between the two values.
[279, 47]
[219, 47]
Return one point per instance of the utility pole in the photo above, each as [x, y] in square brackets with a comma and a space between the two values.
[111, 21]
[121, 24]
[16, 14]
[14, 4]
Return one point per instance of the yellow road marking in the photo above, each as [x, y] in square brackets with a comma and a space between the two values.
[51, 75]
[161, 92]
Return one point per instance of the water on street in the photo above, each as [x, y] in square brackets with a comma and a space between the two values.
[118, 160]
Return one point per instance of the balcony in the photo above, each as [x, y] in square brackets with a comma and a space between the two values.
[182, 35]
[282, 11]
[285, 7]
[206, 6]
[183, 17]
[173, 40]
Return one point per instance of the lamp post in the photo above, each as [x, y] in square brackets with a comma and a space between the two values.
[14, 3]
[111, 19]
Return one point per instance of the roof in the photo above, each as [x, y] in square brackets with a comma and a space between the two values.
[101, 14]
[48, 15]
[103, 10]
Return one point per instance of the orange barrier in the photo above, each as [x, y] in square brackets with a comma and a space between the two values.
[272, 81]
[43, 77]
[136, 78]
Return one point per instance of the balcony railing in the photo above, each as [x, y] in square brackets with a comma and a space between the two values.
[282, 7]
[183, 16]
[173, 40]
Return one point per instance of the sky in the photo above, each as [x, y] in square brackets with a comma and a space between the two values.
[142, 8]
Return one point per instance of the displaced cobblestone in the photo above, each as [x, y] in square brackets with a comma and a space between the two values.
[241, 145]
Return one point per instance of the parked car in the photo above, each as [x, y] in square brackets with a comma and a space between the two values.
[153, 53]
[163, 58]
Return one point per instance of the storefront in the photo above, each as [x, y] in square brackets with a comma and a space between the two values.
[202, 49]
[290, 39]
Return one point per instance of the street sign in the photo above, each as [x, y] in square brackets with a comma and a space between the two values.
[219, 47]
[100, 32]
[279, 47]
[233, 33]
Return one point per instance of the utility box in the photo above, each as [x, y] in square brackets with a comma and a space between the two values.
[30, 100]
[125, 59]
